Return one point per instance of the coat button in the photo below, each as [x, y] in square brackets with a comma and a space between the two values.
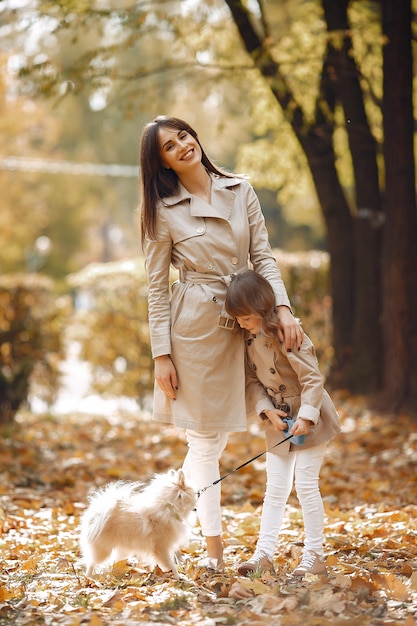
[214, 299]
[249, 341]
[282, 388]
[271, 369]
[200, 230]
[209, 266]
[234, 260]
[254, 367]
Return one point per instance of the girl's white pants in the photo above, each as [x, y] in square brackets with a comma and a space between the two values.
[201, 467]
[303, 466]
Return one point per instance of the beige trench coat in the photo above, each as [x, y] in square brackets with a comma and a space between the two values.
[208, 242]
[274, 376]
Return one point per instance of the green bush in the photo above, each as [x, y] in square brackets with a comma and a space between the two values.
[111, 324]
[31, 320]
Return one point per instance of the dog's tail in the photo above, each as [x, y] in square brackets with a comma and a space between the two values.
[113, 492]
[102, 503]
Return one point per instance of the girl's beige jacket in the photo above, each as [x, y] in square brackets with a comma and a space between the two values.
[275, 376]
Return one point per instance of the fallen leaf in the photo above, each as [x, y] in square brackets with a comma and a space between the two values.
[238, 591]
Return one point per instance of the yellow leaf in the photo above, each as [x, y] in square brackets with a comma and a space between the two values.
[395, 587]
[5, 594]
[238, 591]
[332, 560]
[257, 586]
[413, 580]
[31, 564]
[342, 581]
[120, 568]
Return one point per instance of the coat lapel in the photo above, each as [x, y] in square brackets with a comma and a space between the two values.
[222, 199]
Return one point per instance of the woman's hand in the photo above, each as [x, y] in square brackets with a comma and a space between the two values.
[166, 375]
[290, 330]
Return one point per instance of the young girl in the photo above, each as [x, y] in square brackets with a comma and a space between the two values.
[280, 384]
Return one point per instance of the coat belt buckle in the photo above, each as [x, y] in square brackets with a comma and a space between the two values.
[226, 322]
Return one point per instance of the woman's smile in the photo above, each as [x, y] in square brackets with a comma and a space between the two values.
[189, 154]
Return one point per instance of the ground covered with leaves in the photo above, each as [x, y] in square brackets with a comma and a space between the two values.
[48, 464]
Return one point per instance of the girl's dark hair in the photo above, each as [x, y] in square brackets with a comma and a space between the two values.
[249, 293]
[157, 182]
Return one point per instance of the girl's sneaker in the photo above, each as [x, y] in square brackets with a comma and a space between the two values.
[311, 563]
[259, 563]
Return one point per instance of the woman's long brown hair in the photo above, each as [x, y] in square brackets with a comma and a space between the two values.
[157, 182]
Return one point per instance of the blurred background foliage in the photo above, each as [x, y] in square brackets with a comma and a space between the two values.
[78, 80]
[32, 322]
[110, 323]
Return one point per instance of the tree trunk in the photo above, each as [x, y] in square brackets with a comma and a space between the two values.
[399, 257]
[340, 83]
[318, 147]
[316, 139]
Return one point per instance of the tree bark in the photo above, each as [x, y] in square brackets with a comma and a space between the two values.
[318, 146]
[399, 259]
[341, 84]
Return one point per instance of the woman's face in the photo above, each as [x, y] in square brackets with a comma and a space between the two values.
[178, 149]
[252, 323]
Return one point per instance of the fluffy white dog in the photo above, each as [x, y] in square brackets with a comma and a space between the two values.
[125, 519]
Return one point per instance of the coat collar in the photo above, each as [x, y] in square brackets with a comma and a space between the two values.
[222, 198]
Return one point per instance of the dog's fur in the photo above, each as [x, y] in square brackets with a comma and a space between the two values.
[125, 519]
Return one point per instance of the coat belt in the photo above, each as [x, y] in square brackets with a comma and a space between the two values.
[200, 278]
[278, 396]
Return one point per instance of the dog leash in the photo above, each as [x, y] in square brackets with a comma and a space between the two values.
[201, 491]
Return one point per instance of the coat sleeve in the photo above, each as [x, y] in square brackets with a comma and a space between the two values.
[158, 260]
[261, 255]
[305, 365]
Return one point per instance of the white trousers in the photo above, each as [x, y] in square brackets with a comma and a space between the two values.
[304, 466]
[201, 467]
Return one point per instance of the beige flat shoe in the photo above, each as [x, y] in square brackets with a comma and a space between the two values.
[211, 564]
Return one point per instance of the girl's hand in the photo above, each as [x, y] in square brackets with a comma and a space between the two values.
[301, 427]
[166, 375]
[290, 331]
[275, 417]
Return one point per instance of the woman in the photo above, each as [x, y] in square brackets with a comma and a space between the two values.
[279, 384]
[207, 224]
